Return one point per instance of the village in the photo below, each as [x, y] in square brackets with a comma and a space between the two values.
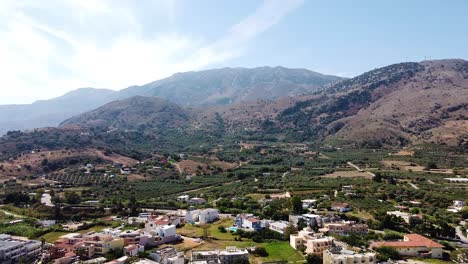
[201, 234]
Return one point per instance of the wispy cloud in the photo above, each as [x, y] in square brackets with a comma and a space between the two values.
[50, 47]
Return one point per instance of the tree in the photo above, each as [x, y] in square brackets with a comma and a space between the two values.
[72, 198]
[386, 253]
[431, 165]
[378, 177]
[261, 251]
[133, 205]
[314, 259]
[296, 204]
[206, 231]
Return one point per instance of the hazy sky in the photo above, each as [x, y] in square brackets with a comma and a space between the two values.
[50, 47]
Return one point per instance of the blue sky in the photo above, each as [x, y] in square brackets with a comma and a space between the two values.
[50, 47]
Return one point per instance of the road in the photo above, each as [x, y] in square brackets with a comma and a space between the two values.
[360, 170]
[460, 234]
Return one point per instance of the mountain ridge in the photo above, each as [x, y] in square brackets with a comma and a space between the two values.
[53, 111]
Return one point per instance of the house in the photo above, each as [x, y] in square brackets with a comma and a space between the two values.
[133, 250]
[248, 221]
[414, 245]
[407, 217]
[168, 255]
[121, 260]
[279, 226]
[344, 228]
[228, 256]
[208, 215]
[156, 235]
[456, 207]
[337, 255]
[313, 243]
[341, 207]
[125, 170]
[183, 198]
[14, 250]
[197, 200]
[100, 260]
[46, 223]
[307, 203]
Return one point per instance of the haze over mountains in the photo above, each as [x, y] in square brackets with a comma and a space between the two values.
[210, 87]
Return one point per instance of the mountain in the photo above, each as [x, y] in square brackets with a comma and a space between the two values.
[133, 113]
[218, 86]
[51, 112]
[397, 104]
[233, 85]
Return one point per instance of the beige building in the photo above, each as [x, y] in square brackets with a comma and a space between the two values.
[313, 243]
[414, 245]
[344, 227]
[337, 255]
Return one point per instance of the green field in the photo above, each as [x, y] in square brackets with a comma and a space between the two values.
[279, 251]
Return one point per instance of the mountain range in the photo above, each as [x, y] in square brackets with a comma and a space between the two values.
[393, 105]
[209, 87]
[396, 105]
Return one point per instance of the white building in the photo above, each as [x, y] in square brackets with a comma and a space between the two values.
[307, 203]
[227, 256]
[197, 200]
[183, 198]
[12, 250]
[457, 206]
[405, 216]
[279, 226]
[414, 245]
[336, 255]
[168, 255]
[208, 215]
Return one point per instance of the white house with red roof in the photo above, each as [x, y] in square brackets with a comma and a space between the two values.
[414, 245]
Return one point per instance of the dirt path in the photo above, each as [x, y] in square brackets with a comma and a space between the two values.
[207, 187]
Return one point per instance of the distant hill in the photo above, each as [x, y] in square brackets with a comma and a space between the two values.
[210, 87]
[51, 112]
[136, 112]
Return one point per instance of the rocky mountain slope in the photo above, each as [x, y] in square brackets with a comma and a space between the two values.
[218, 86]
[415, 102]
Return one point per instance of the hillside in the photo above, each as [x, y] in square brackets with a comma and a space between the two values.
[133, 113]
[407, 102]
[217, 86]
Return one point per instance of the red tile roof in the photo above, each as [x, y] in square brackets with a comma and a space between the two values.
[253, 220]
[411, 240]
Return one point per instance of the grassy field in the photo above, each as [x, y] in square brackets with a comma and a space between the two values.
[281, 250]
[277, 250]
[197, 231]
[52, 236]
